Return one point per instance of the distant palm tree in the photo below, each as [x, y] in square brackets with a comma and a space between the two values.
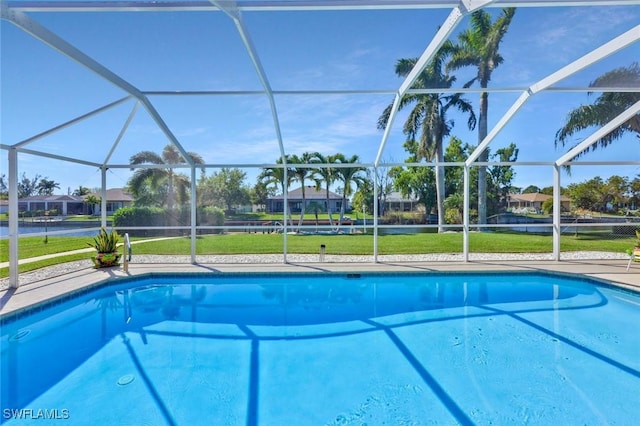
[301, 174]
[315, 208]
[328, 175]
[428, 118]
[82, 190]
[92, 201]
[276, 176]
[478, 47]
[46, 186]
[350, 177]
[606, 107]
[160, 186]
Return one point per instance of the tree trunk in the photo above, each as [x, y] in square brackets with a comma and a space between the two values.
[440, 186]
[302, 210]
[482, 170]
[170, 195]
[329, 208]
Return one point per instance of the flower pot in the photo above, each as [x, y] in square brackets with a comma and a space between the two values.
[105, 260]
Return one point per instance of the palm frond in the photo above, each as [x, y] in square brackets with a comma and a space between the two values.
[146, 157]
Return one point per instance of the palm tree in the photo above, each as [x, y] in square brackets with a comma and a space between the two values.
[276, 176]
[92, 200]
[315, 208]
[428, 118]
[46, 186]
[350, 177]
[478, 46]
[606, 107]
[328, 175]
[160, 185]
[81, 191]
[301, 174]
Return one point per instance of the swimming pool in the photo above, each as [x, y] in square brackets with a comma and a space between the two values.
[328, 349]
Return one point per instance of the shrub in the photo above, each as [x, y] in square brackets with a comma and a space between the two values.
[452, 216]
[141, 216]
[210, 216]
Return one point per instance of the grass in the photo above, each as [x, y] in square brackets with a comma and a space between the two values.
[35, 246]
[242, 243]
[388, 244]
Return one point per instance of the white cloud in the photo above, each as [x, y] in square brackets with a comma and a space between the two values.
[574, 32]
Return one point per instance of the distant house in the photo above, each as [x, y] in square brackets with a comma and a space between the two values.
[4, 206]
[396, 202]
[294, 198]
[532, 202]
[63, 204]
[73, 204]
[117, 198]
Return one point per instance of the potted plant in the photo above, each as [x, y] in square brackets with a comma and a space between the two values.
[106, 244]
[635, 251]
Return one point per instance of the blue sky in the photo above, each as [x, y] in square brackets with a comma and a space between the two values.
[336, 50]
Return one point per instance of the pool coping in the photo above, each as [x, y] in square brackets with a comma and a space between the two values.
[33, 297]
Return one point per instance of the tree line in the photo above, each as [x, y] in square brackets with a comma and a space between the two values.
[427, 126]
[28, 187]
[227, 189]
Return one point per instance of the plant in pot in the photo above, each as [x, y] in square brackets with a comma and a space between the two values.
[635, 251]
[106, 244]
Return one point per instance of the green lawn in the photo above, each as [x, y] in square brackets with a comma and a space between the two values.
[242, 243]
[35, 246]
[388, 244]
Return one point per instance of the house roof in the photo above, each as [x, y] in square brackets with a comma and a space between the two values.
[113, 194]
[397, 197]
[116, 194]
[310, 193]
[534, 197]
[53, 198]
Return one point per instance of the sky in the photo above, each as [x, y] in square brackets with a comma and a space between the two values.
[301, 50]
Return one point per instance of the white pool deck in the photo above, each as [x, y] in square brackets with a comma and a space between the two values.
[35, 293]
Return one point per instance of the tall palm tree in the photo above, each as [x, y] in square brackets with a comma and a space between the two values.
[428, 118]
[350, 177]
[163, 182]
[606, 107]
[301, 174]
[276, 176]
[478, 47]
[325, 174]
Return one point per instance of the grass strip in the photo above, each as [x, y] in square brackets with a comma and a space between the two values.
[242, 243]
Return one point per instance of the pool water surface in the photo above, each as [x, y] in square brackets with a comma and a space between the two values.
[328, 349]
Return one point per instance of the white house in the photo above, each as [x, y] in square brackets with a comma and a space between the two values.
[294, 199]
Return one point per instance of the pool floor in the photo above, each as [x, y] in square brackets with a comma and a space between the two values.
[498, 359]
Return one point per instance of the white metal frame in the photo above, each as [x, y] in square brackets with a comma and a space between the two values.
[17, 13]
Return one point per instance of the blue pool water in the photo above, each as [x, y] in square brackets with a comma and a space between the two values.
[328, 349]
